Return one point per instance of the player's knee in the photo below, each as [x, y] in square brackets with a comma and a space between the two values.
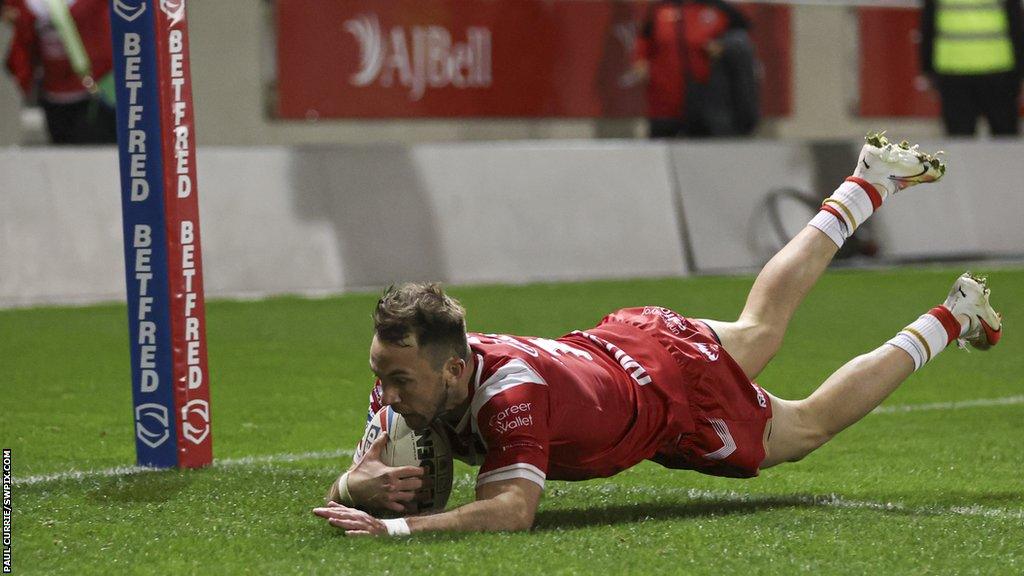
[763, 336]
[812, 434]
[813, 440]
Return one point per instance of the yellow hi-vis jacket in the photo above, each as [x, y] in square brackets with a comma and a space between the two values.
[972, 37]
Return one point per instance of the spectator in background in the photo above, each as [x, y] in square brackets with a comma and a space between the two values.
[40, 58]
[699, 63]
[973, 53]
[7, 14]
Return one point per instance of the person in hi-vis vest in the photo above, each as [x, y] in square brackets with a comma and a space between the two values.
[973, 53]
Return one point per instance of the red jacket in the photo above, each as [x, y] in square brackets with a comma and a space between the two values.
[37, 51]
[676, 50]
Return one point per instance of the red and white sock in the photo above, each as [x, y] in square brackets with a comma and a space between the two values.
[847, 208]
[928, 335]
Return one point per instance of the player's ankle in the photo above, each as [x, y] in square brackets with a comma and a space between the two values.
[964, 320]
[847, 208]
[924, 338]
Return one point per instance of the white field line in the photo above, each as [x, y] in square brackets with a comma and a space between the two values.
[902, 408]
[710, 496]
[220, 463]
[325, 455]
[836, 501]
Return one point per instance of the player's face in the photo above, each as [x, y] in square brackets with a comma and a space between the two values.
[411, 385]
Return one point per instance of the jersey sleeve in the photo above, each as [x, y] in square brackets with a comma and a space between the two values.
[511, 416]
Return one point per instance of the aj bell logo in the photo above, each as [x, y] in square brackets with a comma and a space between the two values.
[198, 412]
[152, 425]
[127, 11]
[421, 57]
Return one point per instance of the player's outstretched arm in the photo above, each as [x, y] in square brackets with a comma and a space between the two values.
[508, 505]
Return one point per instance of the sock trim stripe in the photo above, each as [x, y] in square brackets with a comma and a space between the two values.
[904, 342]
[834, 212]
[949, 322]
[852, 221]
[830, 225]
[872, 192]
[924, 341]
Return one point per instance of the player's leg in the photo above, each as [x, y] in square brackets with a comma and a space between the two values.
[882, 170]
[798, 427]
[754, 338]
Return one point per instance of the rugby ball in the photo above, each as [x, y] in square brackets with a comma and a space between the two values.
[428, 448]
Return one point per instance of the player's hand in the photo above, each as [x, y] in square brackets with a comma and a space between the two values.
[374, 485]
[353, 522]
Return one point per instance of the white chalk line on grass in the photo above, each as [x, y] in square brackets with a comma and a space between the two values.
[326, 455]
[709, 496]
[960, 405]
[219, 463]
[832, 501]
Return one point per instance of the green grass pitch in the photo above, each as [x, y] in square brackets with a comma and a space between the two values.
[938, 490]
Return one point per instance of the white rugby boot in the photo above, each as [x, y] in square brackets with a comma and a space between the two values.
[969, 297]
[883, 169]
[892, 167]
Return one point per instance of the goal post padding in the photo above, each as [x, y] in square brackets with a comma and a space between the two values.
[163, 258]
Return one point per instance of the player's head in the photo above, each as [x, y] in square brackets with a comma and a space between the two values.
[419, 350]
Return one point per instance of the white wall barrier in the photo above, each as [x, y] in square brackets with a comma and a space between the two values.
[976, 211]
[324, 219]
[722, 186]
[60, 227]
[528, 212]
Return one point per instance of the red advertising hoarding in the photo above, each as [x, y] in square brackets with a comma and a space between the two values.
[891, 83]
[479, 58]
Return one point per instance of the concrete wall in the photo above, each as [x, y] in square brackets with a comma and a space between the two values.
[316, 219]
[325, 219]
[233, 51]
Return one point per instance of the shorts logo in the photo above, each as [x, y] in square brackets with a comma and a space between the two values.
[707, 351]
[761, 400]
[195, 434]
[175, 10]
[728, 443]
[157, 413]
[126, 11]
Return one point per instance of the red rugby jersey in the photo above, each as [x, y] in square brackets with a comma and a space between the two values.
[568, 409]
